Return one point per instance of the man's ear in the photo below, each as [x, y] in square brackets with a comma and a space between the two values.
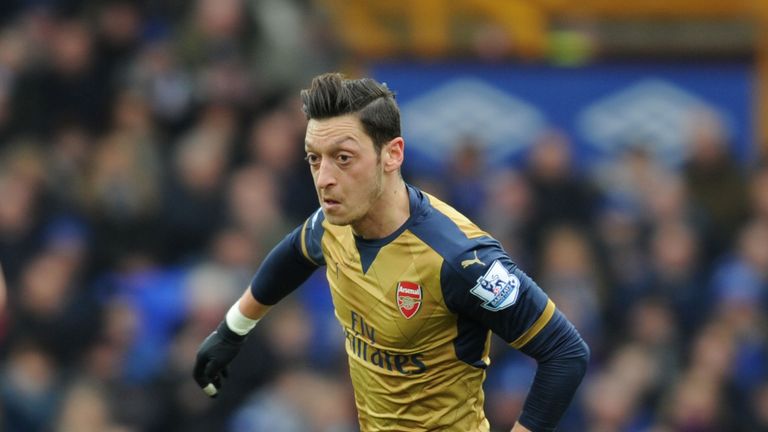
[393, 154]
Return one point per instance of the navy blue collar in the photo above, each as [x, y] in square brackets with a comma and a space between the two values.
[369, 248]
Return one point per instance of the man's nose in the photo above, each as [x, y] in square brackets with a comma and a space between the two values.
[325, 175]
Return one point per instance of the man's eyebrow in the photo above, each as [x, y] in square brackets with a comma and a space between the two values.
[338, 142]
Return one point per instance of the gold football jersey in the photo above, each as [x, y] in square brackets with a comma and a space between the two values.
[417, 309]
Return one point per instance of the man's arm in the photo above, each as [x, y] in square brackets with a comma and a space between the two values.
[493, 291]
[284, 269]
[251, 308]
[562, 357]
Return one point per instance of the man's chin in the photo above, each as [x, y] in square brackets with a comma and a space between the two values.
[335, 219]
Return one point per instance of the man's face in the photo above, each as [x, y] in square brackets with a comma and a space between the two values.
[345, 167]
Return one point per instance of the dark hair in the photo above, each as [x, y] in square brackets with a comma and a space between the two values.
[332, 95]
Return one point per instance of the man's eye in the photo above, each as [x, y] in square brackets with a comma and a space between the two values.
[344, 159]
[312, 159]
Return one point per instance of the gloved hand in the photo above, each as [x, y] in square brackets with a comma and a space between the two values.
[213, 357]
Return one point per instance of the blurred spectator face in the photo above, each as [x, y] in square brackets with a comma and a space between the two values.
[70, 147]
[753, 246]
[84, 409]
[707, 138]
[227, 80]
[29, 388]
[200, 162]
[673, 248]
[291, 107]
[157, 58]
[123, 177]
[209, 305]
[72, 48]
[467, 160]
[26, 160]
[568, 275]
[759, 193]
[508, 209]
[131, 112]
[629, 178]
[274, 142]
[566, 252]
[220, 19]
[45, 285]
[16, 206]
[713, 352]
[667, 199]
[12, 51]
[652, 323]
[30, 370]
[221, 118]
[551, 157]
[5, 109]
[510, 194]
[119, 22]
[232, 248]
[103, 361]
[12, 58]
[760, 405]
[290, 331]
[739, 286]
[168, 86]
[253, 199]
[619, 228]
[3, 290]
[695, 405]
[121, 324]
[66, 163]
[67, 239]
[609, 404]
[38, 29]
[634, 366]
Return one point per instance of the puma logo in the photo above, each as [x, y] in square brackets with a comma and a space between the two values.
[467, 263]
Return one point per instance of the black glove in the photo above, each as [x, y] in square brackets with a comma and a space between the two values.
[213, 356]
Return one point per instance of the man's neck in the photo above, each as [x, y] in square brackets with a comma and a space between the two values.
[388, 214]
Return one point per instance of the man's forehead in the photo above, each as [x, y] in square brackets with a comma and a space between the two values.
[334, 130]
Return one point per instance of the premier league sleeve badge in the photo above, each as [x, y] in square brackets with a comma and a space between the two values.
[497, 288]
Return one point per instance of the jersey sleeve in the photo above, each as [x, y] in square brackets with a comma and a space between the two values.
[483, 284]
[290, 263]
[307, 238]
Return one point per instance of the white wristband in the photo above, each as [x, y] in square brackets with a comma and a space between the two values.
[237, 322]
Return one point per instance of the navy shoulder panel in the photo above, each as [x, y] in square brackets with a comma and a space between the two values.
[479, 280]
[444, 235]
[308, 239]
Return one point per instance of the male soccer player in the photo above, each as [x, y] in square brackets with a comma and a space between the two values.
[416, 286]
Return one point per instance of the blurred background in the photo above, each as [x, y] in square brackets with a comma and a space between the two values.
[151, 154]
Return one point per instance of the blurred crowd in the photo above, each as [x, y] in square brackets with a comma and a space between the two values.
[151, 155]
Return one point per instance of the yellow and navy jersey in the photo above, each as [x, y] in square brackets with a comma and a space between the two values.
[418, 308]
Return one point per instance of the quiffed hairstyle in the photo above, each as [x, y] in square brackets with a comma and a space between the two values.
[332, 95]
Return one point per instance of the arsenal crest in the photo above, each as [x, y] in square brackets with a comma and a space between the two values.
[408, 298]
